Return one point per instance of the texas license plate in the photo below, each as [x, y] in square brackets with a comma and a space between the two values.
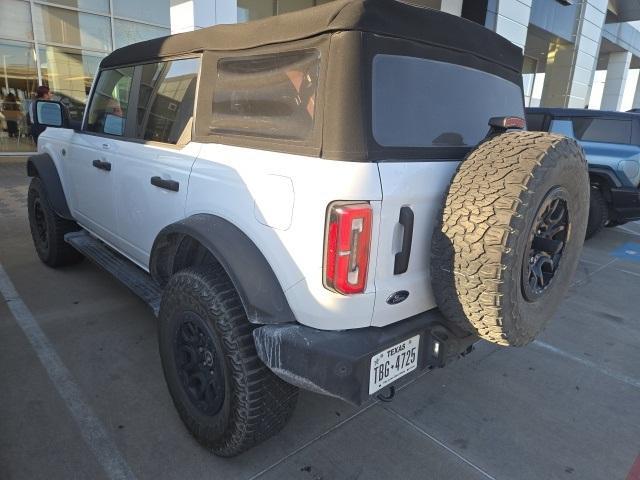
[393, 363]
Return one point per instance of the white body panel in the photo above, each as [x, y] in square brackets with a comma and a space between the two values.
[142, 208]
[93, 189]
[420, 186]
[278, 200]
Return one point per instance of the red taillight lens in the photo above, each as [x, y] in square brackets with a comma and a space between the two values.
[347, 245]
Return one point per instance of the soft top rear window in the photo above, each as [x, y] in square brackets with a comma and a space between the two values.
[426, 103]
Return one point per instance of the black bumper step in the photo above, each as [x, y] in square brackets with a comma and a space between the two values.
[133, 277]
[337, 363]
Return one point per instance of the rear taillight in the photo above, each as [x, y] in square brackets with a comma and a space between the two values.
[347, 245]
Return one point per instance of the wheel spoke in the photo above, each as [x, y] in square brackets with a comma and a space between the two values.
[549, 234]
[547, 245]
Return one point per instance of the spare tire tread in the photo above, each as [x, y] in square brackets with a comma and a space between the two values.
[483, 213]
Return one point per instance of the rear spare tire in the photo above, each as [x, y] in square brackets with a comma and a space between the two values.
[510, 234]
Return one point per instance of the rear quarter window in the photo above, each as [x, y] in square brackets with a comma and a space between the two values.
[426, 103]
[268, 96]
[604, 130]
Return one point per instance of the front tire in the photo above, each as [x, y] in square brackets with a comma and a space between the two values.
[48, 229]
[226, 397]
[598, 213]
[510, 235]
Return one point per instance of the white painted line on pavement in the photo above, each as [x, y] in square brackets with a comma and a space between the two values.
[588, 363]
[91, 428]
[629, 231]
[636, 274]
[438, 442]
[590, 274]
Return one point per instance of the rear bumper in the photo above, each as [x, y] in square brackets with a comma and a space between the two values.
[337, 363]
[625, 204]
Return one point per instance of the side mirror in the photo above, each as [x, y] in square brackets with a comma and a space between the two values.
[50, 114]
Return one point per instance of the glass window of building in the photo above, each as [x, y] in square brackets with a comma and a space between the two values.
[284, 6]
[18, 81]
[150, 11]
[69, 72]
[72, 37]
[15, 20]
[68, 27]
[110, 102]
[100, 6]
[166, 100]
[256, 9]
[126, 33]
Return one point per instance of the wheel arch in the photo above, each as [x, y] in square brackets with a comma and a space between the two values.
[203, 238]
[43, 167]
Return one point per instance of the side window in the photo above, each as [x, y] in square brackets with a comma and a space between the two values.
[166, 100]
[604, 130]
[110, 101]
[272, 96]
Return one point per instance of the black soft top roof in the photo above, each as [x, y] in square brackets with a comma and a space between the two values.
[385, 17]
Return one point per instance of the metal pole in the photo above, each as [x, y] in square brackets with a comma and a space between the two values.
[36, 45]
[6, 78]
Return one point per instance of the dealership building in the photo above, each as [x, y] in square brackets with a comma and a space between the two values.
[578, 53]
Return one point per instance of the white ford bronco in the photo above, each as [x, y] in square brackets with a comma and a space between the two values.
[331, 199]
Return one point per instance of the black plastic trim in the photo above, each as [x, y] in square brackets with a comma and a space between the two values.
[336, 363]
[251, 274]
[625, 204]
[42, 166]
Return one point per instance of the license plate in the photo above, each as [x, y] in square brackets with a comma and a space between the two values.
[393, 363]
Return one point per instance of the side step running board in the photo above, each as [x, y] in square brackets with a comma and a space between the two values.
[134, 278]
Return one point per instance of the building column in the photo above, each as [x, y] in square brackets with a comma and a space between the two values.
[189, 15]
[571, 66]
[454, 7]
[509, 18]
[617, 70]
[636, 96]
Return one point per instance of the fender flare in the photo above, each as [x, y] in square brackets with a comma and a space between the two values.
[42, 166]
[260, 291]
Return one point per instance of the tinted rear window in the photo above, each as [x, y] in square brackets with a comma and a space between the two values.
[272, 96]
[604, 130]
[426, 103]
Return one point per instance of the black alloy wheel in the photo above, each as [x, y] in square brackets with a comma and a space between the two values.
[199, 362]
[547, 239]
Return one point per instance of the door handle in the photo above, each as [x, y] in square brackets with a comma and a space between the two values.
[166, 184]
[102, 165]
[402, 257]
[106, 146]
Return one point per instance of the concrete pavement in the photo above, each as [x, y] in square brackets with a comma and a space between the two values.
[565, 407]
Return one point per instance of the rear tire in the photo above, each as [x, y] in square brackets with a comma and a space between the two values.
[598, 213]
[510, 234]
[48, 229]
[226, 397]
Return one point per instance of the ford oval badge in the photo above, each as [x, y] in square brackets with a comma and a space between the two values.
[397, 297]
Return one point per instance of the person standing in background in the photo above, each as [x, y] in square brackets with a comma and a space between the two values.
[12, 114]
[42, 93]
